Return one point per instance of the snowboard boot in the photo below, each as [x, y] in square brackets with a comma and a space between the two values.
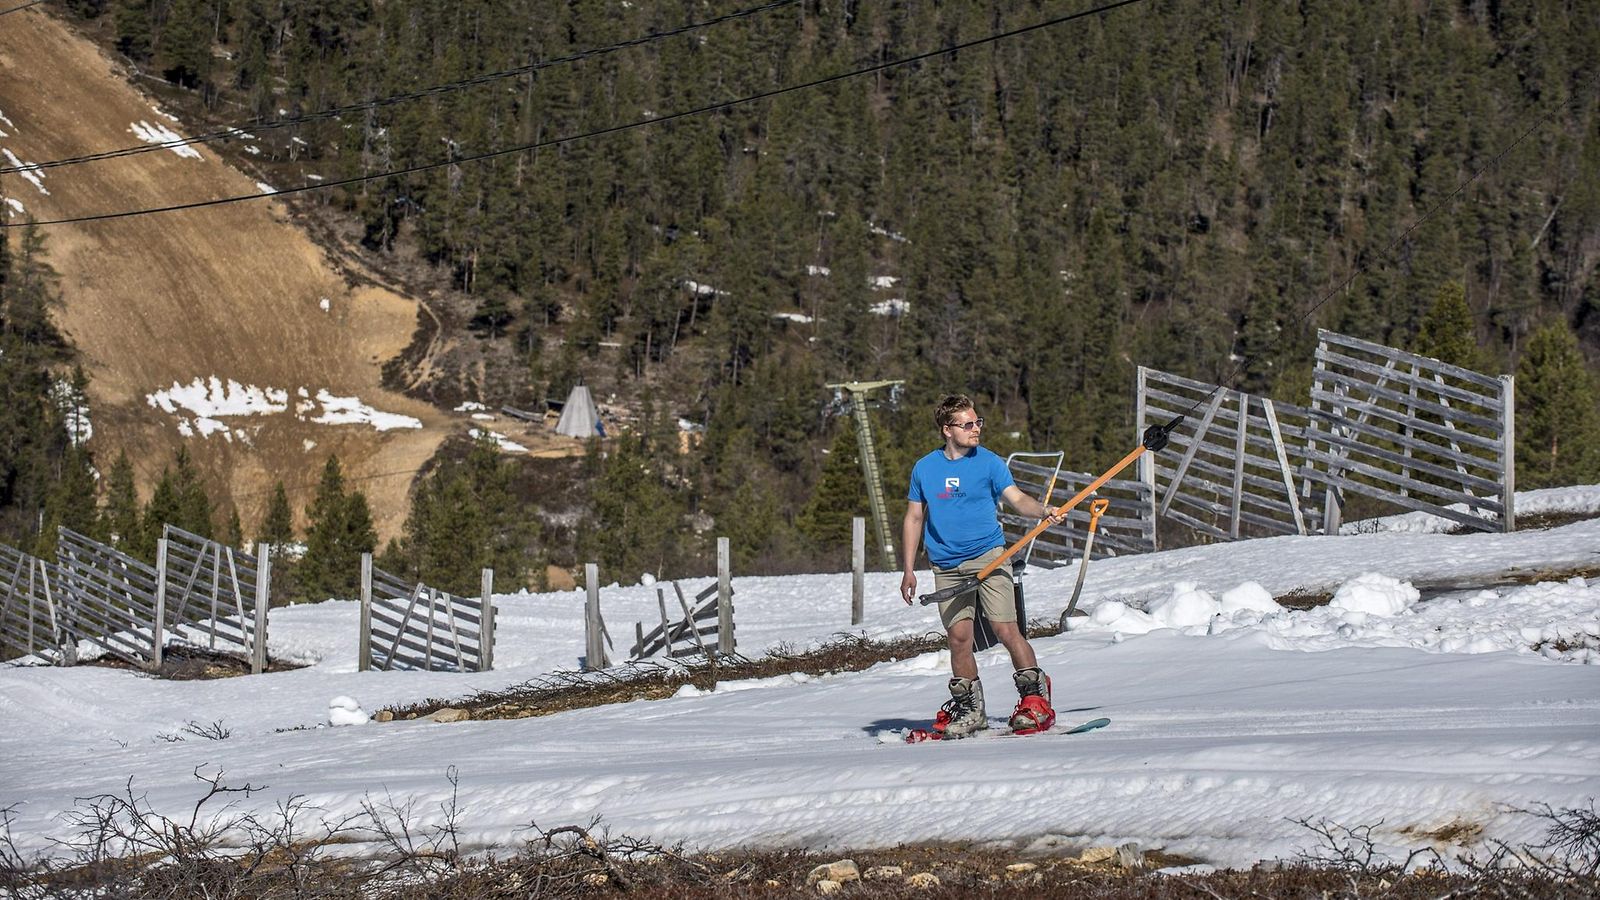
[1033, 713]
[963, 713]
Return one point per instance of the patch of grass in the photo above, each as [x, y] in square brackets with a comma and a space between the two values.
[1304, 598]
[1457, 831]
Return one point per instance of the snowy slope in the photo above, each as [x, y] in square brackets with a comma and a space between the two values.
[1231, 719]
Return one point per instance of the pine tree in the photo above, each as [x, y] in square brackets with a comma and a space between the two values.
[185, 48]
[33, 437]
[633, 526]
[339, 530]
[839, 496]
[277, 528]
[71, 503]
[464, 519]
[120, 517]
[165, 506]
[232, 530]
[194, 512]
[1447, 332]
[132, 18]
[1558, 412]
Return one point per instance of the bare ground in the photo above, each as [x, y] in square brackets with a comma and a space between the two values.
[232, 291]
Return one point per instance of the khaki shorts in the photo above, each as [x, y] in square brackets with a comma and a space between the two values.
[995, 592]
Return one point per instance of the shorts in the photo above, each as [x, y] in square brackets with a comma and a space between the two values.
[996, 593]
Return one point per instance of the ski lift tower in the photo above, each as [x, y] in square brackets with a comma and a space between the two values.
[855, 398]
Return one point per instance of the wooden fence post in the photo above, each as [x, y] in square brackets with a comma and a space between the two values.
[364, 650]
[1146, 471]
[594, 653]
[258, 652]
[1508, 449]
[158, 628]
[725, 641]
[858, 567]
[486, 623]
[1241, 431]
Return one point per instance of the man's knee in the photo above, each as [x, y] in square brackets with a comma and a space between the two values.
[1007, 631]
[960, 635]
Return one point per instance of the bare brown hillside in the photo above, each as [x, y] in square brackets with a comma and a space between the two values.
[235, 292]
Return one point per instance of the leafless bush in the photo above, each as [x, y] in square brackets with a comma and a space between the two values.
[396, 849]
[1352, 850]
[1573, 837]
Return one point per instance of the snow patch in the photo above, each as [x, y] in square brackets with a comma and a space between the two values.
[29, 171]
[704, 290]
[164, 136]
[503, 443]
[202, 404]
[351, 411]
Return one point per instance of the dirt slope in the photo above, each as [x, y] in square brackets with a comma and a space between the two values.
[233, 292]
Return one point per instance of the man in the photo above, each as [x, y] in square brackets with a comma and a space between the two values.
[953, 497]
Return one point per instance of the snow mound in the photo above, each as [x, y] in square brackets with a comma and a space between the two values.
[1249, 596]
[343, 710]
[1187, 605]
[1375, 594]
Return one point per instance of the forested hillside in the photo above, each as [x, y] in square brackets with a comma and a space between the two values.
[1172, 184]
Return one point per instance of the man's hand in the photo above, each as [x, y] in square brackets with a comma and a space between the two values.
[908, 587]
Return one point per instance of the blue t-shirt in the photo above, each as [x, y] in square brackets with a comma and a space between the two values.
[960, 495]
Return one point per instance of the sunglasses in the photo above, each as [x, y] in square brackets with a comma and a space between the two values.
[966, 426]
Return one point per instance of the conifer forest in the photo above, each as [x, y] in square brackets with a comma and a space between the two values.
[713, 209]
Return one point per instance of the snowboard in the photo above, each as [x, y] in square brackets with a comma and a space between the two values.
[918, 735]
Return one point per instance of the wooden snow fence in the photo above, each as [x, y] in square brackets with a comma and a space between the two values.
[110, 599]
[217, 596]
[1231, 467]
[1126, 527]
[1412, 431]
[696, 632]
[414, 626]
[707, 625]
[29, 624]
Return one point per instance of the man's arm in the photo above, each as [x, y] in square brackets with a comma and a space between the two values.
[1026, 505]
[910, 537]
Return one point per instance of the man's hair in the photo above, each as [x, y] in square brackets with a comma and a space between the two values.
[948, 407]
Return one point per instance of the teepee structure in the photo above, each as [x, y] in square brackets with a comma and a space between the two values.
[580, 418]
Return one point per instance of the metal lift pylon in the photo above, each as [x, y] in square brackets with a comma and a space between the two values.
[855, 398]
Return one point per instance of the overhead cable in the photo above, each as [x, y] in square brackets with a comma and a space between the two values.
[1386, 252]
[599, 132]
[237, 131]
[20, 7]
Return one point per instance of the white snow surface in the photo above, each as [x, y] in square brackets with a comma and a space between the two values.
[161, 134]
[1232, 717]
[501, 442]
[1582, 500]
[29, 171]
[201, 406]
